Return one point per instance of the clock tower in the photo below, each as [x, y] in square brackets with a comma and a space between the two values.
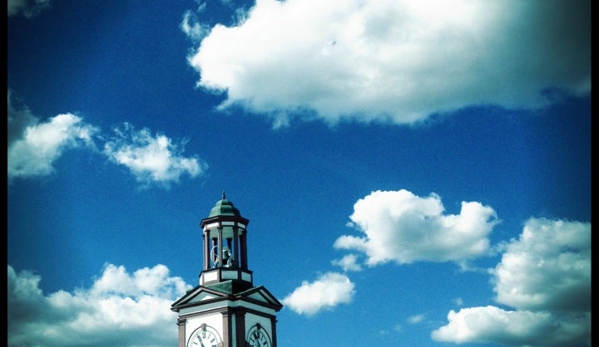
[226, 309]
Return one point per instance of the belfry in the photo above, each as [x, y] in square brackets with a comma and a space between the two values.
[226, 309]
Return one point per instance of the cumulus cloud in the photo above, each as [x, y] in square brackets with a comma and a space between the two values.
[26, 8]
[33, 147]
[328, 291]
[547, 268]
[402, 227]
[118, 309]
[491, 324]
[149, 158]
[545, 276]
[395, 61]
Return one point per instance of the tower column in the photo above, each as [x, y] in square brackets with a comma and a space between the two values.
[206, 240]
[273, 329]
[244, 251]
[227, 329]
[181, 325]
[240, 327]
[236, 246]
[220, 246]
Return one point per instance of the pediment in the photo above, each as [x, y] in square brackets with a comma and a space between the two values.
[262, 295]
[197, 294]
[257, 295]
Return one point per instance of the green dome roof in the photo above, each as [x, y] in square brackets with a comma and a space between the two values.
[224, 207]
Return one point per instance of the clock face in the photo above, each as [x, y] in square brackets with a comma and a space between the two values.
[258, 337]
[204, 336]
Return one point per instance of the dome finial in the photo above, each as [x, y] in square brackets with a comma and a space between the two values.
[224, 197]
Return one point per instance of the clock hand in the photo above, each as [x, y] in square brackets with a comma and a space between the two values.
[200, 339]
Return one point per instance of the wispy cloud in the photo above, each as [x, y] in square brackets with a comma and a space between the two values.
[118, 309]
[26, 8]
[151, 158]
[34, 147]
[349, 262]
[190, 25]
[416, 318]
[395, 61]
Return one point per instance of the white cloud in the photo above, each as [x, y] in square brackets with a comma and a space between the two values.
[330, 290]
[547, 268]
[546, 276]
[151, 159]
[27, 8]
[348, 263]
[402, 227]
[395, 61]
[34, 147]
[416, 318]
[195, 30]
[108, 314]
[19, 119]
[154, 281]
[491, 324]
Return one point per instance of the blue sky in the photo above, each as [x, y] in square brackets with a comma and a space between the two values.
[415, 173]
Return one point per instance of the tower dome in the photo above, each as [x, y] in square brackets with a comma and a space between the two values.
[224, 207]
